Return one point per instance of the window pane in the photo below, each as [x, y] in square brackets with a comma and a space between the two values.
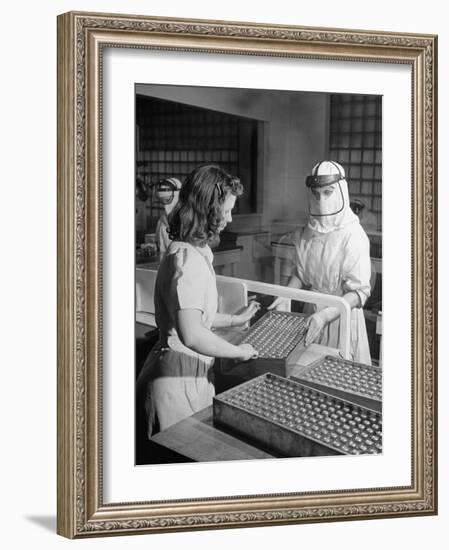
[356, 156]
[367, 187]
[357, 125]
[368, 157]
[355, 172]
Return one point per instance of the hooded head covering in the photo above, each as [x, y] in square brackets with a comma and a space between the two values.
[332, 212]
[166, 190]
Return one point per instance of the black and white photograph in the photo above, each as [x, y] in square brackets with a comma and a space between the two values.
[258, 255]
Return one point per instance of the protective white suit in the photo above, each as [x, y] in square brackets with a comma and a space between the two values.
[332, 257]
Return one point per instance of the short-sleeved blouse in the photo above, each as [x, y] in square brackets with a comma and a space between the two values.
[185, 280]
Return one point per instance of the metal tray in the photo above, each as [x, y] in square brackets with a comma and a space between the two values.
[359, 383]
[292, 419]
[278, 337]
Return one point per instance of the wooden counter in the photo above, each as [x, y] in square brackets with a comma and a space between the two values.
[198, 439]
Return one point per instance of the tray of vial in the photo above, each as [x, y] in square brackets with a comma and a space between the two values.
[279, 338]
[359, 383]
[291, 419]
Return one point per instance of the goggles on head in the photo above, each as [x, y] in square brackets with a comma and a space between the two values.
[322, 181]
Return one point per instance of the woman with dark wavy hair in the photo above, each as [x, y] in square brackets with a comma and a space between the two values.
[176, 380]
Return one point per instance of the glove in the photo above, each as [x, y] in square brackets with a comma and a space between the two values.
[317, 322]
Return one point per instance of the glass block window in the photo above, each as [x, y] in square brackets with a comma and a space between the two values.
[356, 143]
[174, 138]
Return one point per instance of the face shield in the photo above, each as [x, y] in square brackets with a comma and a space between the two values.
[326, 201]
[327, 191]
[325, 194]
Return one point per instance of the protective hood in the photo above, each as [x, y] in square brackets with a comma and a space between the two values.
[166, 189]
[328, 198]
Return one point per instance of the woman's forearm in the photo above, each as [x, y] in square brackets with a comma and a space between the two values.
[222, 320]
[206, 342]
[198, 338]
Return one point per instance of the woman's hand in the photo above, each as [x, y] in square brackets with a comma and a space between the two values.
[280, 304]
[246, 314]
[315, 324]
[248, 352]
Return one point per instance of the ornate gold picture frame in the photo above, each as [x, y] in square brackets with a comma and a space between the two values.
[82, 40]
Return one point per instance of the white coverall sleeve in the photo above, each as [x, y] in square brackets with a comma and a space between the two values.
[357, 267]
[297, 260]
